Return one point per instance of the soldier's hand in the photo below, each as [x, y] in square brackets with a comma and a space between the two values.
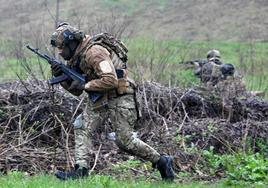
[56, 69]
[76, 85]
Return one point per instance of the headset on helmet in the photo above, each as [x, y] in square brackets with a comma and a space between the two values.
[64, 34]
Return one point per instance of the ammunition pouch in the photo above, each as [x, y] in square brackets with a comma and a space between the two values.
[124, 87]
[128, 86]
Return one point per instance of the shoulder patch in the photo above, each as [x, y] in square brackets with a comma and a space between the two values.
[105, 67]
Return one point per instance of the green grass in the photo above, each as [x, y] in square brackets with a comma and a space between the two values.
[12, 69]
[20, 180]
[158, 60]
[9, 68]
[240, 168]
[250, 59]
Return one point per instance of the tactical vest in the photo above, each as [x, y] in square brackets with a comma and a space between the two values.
[112, 44]
[118, 51]
[211, 73]
[119, 59]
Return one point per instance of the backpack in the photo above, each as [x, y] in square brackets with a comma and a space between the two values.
[111, 43]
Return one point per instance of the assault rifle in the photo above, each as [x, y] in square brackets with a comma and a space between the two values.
[68, 74]
[198, 62]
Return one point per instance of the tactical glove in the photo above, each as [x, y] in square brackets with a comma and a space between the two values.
[76, 85]
[56, 70]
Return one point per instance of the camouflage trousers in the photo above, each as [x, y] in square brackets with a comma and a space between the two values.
[122, 113]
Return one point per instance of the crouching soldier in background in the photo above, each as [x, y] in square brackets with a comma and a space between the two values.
[106, 73]
[222, 78]
[213, 70]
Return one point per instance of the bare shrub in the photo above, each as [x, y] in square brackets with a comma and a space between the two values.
[117, 26]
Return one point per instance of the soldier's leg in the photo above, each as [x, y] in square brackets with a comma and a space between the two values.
[84, 125]
[123, 116]
[83, 130]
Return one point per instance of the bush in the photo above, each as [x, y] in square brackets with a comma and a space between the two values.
[239, 168]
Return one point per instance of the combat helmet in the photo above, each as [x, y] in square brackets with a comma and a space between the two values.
[213, 55]
[65, 34]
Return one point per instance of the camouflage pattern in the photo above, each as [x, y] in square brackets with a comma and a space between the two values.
[213, 55]
[57, 38]
[90, 61]
[99, 65]
[211, 73]
[222, 79]
[122, 114]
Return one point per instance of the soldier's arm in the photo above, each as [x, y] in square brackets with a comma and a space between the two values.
[99, 58]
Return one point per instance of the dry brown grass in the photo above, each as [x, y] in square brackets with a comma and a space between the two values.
[191, 19]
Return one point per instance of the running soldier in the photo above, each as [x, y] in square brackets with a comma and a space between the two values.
[106, 73]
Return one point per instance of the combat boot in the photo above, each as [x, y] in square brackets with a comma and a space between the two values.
[74, 174]
[165, 167]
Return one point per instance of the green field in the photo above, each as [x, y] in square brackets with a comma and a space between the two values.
[249, 58]
[147, 57]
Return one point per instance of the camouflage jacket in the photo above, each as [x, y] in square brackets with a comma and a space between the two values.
[99, 65]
